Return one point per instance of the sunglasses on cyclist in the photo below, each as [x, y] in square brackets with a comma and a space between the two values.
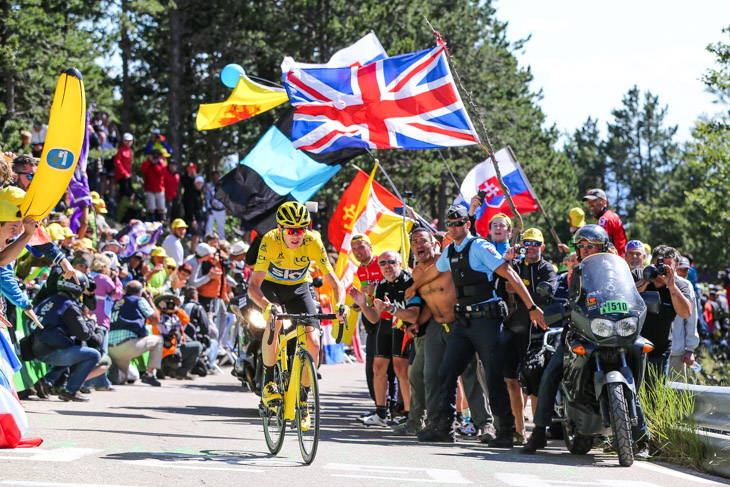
[383, 263]
[586, 246]
[531, 243]
[294, 232]
[460, 223]
[28, 175]
[171, 267]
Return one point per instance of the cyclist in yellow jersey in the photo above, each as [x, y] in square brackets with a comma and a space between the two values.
[281, 277]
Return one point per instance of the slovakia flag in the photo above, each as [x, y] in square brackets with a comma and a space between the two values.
[483, 177]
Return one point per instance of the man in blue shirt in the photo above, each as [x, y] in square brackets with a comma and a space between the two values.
[473, 263]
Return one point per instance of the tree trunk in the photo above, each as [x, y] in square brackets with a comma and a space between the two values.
[125, 46]
[174, 96]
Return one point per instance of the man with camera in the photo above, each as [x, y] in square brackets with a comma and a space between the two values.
[67, 339]
[675, 299]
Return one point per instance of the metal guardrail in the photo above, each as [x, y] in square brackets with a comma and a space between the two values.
[712, 420]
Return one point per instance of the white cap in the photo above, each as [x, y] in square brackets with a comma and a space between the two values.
[128, 136]
[239, 248]
[203, 250]
[198, 179]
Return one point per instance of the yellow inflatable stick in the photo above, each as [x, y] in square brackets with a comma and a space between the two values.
[62, 149]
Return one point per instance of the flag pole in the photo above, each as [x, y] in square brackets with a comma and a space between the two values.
[488, 149]
[443, 159]
[537, 200]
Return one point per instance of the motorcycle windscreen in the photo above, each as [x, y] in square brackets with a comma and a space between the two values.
[608, 289]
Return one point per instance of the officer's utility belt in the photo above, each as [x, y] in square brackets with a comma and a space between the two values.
[495, 309]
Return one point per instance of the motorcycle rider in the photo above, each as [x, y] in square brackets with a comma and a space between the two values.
[589, 240]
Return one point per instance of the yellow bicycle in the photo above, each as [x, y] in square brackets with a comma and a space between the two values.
[296, 377]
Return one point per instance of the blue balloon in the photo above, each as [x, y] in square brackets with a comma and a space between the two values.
[230, 75]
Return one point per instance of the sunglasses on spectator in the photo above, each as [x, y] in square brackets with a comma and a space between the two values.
[28, 175]
[586, 246]
[171, 267]
[294, 232]
[383, 263]
[531, 243]
[460, 223]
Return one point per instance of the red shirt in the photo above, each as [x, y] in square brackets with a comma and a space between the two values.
[154, 176]
[370, 273]
[611, 222]
[123, 163]
[171, 184]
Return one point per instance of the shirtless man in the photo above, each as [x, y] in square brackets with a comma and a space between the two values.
[439, 298]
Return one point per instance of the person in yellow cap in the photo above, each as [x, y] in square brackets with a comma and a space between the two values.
[577, 220]
[155, 270]
[13, 226]
[88, 244]
[515, 339]
[173, 242]
[55, 232]
[500, 231]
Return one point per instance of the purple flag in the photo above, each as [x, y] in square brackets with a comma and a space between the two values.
[78, 188]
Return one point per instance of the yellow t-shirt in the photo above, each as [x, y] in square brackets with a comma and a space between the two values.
[290, 266]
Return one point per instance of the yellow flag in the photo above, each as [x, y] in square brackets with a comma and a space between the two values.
[247, 100]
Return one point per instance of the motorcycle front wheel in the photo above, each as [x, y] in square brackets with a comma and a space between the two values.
[620, 424]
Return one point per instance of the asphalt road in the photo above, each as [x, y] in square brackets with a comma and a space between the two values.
[207, 432]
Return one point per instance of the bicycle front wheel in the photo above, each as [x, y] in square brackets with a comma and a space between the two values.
[308, 408]
[274, 422]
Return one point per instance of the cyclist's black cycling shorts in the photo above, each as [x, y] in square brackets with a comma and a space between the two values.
[294, 299]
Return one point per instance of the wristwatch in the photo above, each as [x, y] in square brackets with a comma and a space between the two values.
[532, 308]
[392, 310]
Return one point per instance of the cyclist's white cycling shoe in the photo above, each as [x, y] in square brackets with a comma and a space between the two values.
[271, 395]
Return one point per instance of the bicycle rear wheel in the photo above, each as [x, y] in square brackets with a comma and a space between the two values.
[308, 409]
[274, 423]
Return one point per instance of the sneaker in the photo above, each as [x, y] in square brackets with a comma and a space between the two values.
[425, 430]
[374, 420]
[397, 422]
[404, 430]
[150, 379]
[185, 376]
[85, 390]
[642, 450]
[537, 441]
[467, 429]
[104, 389]
[503, 440]
[435, 435]
[518, 439]
[270, 395]
[365, 415]
[42, 389]
[71, 396]
[487, 433]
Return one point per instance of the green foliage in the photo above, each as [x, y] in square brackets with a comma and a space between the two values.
[585, 151]
[669, 416]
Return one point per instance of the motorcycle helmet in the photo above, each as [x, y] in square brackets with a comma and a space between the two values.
[70, 287]
[293, 214]
[592, 233]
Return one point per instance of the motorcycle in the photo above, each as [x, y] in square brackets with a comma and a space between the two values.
[605, 358]
[250, 326]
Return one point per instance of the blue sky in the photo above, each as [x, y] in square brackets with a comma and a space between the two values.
[585, 55]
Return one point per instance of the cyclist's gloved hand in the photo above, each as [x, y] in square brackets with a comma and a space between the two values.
[268, 311]
[342, 311]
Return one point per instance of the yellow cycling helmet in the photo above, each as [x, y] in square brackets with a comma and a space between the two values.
[293, 214]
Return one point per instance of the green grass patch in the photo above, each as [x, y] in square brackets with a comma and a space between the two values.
[669, 416]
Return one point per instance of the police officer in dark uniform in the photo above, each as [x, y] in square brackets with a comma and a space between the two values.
[473, 263]
[62, 340]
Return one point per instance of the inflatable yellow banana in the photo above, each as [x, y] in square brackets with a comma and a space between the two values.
[62, 149]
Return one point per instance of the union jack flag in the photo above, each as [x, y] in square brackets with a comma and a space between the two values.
[404, 102]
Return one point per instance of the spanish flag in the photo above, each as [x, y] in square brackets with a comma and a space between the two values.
[247, 100]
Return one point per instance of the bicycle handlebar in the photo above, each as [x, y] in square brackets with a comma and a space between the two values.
[304, 316]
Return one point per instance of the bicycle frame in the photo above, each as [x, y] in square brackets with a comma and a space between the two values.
[292, 377]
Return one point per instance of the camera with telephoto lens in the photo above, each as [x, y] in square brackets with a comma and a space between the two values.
[651, 272]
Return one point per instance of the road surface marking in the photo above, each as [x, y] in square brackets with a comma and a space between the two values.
[40, 455]
[674, 473]
[442, 476]
[28, 483]
[160, 463]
